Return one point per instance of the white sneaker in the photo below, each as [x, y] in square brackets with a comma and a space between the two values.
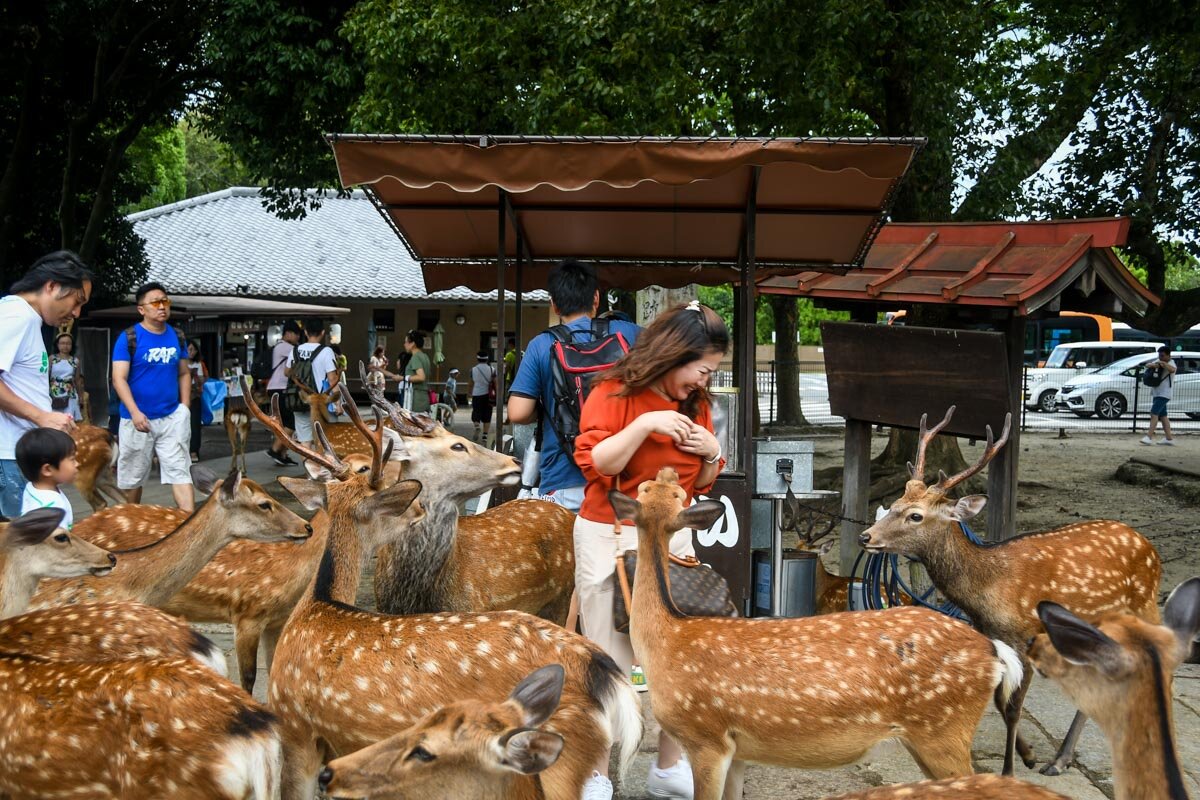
[675, 783]
[597, 787]
[1168, 442]
[1147, 440]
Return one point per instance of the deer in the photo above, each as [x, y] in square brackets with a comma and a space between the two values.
[34, 547]
[812, 692]
[236, 508]
[472, 748]
[343, 677]
[96, 453]
[237, 428]
[132, 729]
[1091, 567]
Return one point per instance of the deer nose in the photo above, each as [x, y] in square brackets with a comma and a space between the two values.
[864, 539]
[325, 777]
[112, 559]
[308, 528]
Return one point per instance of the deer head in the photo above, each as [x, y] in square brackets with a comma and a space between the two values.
[658, 509]
[248, 511]
[35, 544]
[461, 750]
[925, 512]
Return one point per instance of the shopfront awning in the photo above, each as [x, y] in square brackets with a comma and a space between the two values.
[644, 210]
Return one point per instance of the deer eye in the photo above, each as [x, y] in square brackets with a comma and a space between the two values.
[363, 469]
[421, 754]
[915, 516]
[265, 505]
[62, 538]
[459, 446]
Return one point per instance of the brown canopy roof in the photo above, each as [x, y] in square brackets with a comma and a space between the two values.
[647, 210]
[1017, 265]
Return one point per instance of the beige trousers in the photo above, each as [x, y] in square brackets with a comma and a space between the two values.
[596, 551]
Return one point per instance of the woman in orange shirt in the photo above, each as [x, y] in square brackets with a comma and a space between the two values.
[651, 410]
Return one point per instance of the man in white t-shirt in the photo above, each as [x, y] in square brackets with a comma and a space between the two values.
[278, 384]
[52, 292]
[323, 376]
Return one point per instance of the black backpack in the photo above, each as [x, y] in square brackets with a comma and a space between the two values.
[1154, 376]
[572, 367]
[302, 377]
[131, 340]
[263, 365]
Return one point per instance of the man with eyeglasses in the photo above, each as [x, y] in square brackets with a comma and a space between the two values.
[150, 373]
[52, 292]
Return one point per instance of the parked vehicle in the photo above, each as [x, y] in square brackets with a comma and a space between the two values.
[1067, 361]
[1109, 392]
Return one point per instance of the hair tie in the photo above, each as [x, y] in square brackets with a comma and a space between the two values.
[694, 306]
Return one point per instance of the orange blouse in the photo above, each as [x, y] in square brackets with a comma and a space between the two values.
[606, 413]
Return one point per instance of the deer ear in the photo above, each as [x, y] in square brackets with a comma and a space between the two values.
[1182, 611]
[231, 485]
[538, 695]
[392, 501]
[399, 451]
[310, 494]
[701, 516]
[530, 751]
[34, 526]
[318, 473]
[204, 479]
[1077, 641]
[968, 507]
[624, 505]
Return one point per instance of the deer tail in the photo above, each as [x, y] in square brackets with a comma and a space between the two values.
[253, 758]
[620, 705]
[1010, 671]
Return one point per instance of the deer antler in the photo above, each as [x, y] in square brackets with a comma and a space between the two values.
[373, 437]
[274, 424]
[917, 471]
[404, 421]
[945, 484]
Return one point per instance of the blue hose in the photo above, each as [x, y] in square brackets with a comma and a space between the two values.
[882, 584]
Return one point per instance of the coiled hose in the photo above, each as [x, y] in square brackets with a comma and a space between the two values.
[882, 582]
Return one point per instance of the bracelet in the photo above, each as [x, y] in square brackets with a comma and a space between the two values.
[715, 458]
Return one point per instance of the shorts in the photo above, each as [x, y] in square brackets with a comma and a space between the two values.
[596, 582]
[303, 430]
[570, 498]
[481, 408]
[1158, 406]
[286, 414]
[169, 437]
[12, 487]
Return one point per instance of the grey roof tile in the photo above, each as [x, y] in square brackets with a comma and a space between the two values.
[227, 243]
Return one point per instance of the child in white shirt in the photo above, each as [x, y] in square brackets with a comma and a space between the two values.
[46, 458]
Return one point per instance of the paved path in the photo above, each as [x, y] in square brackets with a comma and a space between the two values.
[1048, 713]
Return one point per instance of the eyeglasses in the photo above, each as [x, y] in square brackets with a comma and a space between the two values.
[163, 303]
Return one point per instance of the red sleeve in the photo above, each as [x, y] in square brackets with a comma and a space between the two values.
[600, 418]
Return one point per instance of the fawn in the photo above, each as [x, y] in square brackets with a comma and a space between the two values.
[96, 453]
[33, 548]
[484, 751]
[1091, 567]
[812, 693]
[343, 677]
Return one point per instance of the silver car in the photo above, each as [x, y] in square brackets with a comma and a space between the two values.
[1110, 392]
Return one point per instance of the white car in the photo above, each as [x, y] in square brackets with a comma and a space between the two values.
[1069, 361]
[1109, 392]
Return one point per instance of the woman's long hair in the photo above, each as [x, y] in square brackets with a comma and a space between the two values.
[676, 337]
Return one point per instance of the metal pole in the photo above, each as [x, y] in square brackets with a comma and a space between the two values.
[520, 294]
[1137, 385]
[501, 255]
[746, 335]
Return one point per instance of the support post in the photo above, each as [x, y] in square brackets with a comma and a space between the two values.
[856, 488]
[501, 255]
[1002, 471]
[746, 335]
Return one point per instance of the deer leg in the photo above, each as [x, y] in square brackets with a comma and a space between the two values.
[564, 780]
[710, 767]
[1012, 715]
[735, 780]
[302, 758]
[246, 638]
[943, 756]
[270, 638]
[1066, 753]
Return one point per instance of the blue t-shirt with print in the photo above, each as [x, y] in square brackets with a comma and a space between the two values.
[154, 373]
[535, 381]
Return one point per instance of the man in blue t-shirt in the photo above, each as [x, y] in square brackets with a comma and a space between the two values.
[154, 386]
[574, 297]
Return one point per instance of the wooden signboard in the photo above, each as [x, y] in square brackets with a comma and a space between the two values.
[891, 375]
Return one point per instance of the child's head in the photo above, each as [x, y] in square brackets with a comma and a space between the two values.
[46, 455]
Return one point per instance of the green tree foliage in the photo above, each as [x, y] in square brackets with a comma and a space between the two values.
[158, 159]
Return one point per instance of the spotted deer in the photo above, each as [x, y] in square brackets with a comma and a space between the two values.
[96, 453]
[343, 678]
[33, 548]
[812, 693]
[1091, 567]
[476, 749]
[152, 574]
[237, 428]
[132, 729]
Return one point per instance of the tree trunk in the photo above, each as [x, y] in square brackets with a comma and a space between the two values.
[788, 412]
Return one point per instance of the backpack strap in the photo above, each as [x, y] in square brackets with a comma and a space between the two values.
[131, 340]
[600, 327]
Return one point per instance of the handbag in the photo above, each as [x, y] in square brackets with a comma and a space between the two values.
[60, 402]
[697, 590]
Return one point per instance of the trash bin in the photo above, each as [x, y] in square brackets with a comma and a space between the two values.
[798, 582]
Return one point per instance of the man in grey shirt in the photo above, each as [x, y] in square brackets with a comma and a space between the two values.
[483, 378]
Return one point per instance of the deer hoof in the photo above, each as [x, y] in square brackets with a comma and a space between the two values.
[1051, 770]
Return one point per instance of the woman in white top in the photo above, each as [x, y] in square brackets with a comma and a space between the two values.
[66, 378]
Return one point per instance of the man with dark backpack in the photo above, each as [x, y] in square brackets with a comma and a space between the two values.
[311, 369]
[555, 375]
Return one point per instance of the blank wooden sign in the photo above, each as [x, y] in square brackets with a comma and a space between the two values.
[891, 375]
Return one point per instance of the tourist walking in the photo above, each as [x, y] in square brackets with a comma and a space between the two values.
[66, 378]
